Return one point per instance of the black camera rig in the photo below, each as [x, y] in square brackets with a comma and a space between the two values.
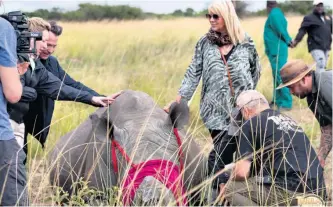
[20, 23]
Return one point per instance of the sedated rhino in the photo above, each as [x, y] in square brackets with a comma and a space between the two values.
[132, 144]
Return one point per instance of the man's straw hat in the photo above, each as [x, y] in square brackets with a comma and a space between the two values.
[293, 71]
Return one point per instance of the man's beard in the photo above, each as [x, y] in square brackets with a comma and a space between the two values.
[302, 95]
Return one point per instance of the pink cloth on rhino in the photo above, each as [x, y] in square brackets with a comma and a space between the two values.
[163, 170]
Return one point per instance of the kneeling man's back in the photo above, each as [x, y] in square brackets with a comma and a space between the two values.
[280, 149]
[276, 160]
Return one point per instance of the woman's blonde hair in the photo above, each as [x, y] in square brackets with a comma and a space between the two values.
[226, 10]
[37, 24]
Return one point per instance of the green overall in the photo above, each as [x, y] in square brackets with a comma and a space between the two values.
[276, 39]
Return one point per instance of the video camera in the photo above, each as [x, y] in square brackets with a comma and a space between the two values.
[20, 23]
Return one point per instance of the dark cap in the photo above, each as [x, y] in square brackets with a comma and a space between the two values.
[271, 4]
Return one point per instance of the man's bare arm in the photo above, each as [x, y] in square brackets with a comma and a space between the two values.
[325, 143]
[241, 170]
[11, 85]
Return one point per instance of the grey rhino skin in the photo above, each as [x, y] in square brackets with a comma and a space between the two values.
[144, 130]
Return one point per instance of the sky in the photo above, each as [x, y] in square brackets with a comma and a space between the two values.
[156, 6]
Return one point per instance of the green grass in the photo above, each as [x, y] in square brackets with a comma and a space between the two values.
[150, 56]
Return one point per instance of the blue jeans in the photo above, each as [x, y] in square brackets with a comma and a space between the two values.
[321, 58]
[13, 181]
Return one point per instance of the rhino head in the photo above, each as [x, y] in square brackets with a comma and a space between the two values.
[145, 132]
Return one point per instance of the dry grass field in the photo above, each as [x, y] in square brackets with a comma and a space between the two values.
[150, 56]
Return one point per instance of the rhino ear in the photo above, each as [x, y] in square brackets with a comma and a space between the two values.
[179, 114]
[101, 125]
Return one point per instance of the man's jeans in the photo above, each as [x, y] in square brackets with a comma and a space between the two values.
[321, 58]
[13, 181]
[18, 132]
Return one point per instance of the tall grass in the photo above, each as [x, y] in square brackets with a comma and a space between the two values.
[150, 56]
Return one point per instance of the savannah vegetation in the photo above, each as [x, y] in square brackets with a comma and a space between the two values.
[88, 11]
[149, 55]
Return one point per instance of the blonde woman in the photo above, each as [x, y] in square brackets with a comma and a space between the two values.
[227, 61]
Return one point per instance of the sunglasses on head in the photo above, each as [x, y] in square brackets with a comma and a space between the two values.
[209, 16]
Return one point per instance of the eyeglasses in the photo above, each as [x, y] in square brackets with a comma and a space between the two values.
[215, 16]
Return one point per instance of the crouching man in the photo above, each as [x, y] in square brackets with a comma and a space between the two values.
[316, 87]
[277, 164]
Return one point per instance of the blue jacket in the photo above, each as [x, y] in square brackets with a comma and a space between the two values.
[39, 116]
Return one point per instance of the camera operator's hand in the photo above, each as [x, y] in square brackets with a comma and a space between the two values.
[167, 107]
[22, 67]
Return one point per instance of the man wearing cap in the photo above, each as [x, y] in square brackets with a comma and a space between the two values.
[277, 40]
[276, 161]
[318, 26]
[316, 87]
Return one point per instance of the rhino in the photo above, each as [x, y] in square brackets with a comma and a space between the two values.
[136, 146]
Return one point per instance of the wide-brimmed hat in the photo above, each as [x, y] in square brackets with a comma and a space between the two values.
[293, 71]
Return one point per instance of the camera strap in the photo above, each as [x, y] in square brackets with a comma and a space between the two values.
[32, 63]
[233, 129]
[228, 71]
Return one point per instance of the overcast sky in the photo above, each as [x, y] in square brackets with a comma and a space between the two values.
[156, 6]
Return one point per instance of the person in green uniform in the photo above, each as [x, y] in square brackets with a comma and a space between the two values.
[277, 40]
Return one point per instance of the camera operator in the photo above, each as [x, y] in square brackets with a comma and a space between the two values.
[45, 83]
[12, 170]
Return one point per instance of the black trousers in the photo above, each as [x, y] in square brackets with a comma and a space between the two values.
[222, 153]
[13, 181]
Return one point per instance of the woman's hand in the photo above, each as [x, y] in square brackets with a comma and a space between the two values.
[167, 107]
[178, 98]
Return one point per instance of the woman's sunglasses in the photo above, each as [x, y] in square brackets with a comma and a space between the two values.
[215, 16]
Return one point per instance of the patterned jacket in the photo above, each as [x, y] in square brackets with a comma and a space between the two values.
[216, 100]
